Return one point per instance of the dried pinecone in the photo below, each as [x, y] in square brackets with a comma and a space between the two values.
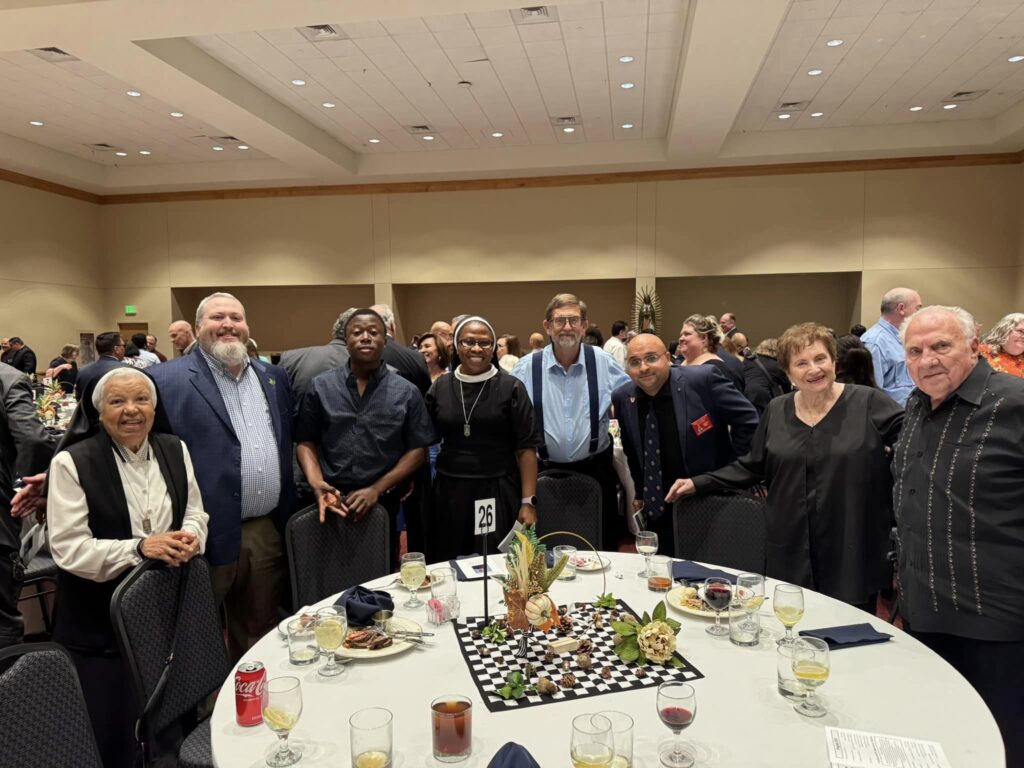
[599, 621]
[568, 680]
[545, 687]
[640, 672]
[584, 662]
[566, 666]
[586, 645]
[501, 622]
[549, 657]
[606, 672]
[476, 634]
[615, 614]
[563, 609]
[484, 650]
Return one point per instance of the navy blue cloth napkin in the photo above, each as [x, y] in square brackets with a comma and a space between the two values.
[687, 570]
[847, 636]
[513, 755]
[361, 603]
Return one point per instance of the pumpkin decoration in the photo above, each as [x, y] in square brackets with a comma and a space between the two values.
[541, 612]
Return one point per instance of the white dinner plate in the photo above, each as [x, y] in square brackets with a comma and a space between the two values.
[397, 646]
[588, 562]
[282, 628]
[675, 600]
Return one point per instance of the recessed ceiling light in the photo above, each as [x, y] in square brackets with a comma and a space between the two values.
[625, 59]
[177, 114]
[36, 123]
[817, 114]
[145, 152]
[627, 86]
[374, 141]
[243, 146]
[497, 135]
[121, 154]
[834, 42]
[814, 72]
[785, 116]
[627, 126]
[1015, 59]
[569, 129]
[328, 105]
[218, 149]
[133, 94]
[298, 82]
[949, 106]
[428, 138]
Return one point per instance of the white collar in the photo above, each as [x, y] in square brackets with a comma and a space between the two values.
[474, 379]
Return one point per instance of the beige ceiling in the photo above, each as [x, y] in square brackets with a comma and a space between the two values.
[710, 78]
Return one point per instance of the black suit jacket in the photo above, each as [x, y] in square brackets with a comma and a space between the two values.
[24, 360]
[697, 391]
[409, 363]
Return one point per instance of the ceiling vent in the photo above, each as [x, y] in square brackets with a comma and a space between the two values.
[321, 33]
[792, 106]
[568, 120]
[101, 146]
[53, 55]
[537, 14]
[964, 96]
[418, 130]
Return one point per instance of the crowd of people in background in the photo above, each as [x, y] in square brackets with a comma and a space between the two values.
[910, 425]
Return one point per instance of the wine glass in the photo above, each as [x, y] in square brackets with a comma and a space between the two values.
[281, 713]
[810, 668]
[330, 629]
[677, 708]
[413, 573]
[646, 545]
[750, 592]
[591, 744]
[718, 596]
[788, 604]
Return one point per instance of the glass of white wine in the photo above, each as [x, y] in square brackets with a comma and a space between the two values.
[788, 605]
[591, 744]
[646, 545]
[413, 574]
[811, 667]
[280, 713]
[330, 629]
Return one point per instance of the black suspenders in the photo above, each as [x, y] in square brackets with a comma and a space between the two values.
[590, 364]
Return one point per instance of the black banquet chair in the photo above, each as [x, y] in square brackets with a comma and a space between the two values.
[724, 529]
[144, 612]
[41, 575]
[569, 501]
[45, 722]
[329, 557]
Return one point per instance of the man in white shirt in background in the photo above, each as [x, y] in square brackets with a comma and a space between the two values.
[616, 344]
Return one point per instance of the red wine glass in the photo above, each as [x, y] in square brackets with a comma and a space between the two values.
[677, 708]
[718, 596]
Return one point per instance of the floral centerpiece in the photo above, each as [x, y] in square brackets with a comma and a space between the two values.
[527, 583]
[48, 401]
[650, 638]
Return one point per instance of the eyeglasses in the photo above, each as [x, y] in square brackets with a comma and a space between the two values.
[652, 359]
[470, 343]
[561, 322]
[1018, 332]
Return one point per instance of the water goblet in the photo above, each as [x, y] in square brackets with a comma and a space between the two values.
[413, 574]
[592, 743]
[646, 545]
[281, 713]
[788, 605]
[810, 668]
[718, 596]
[677, 708]
[330, 630]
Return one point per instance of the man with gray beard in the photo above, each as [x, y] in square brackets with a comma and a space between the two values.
[234, 414]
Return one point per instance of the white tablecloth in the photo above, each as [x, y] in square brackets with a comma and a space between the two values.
[898, 687]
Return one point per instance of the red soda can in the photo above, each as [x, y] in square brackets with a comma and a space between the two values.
[250, 692]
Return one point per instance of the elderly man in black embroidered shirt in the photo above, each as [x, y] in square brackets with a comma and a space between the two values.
[960, 518]
[362, 429]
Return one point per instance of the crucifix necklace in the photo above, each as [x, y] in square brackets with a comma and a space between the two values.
[466, 417]
[147, 510]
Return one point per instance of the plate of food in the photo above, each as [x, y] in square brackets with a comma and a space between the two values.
[589, 561]
[371, 643]
[307, 615]
[688, 600]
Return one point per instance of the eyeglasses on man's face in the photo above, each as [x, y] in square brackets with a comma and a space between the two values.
[484, 344]
[634, 363]
[560, 322]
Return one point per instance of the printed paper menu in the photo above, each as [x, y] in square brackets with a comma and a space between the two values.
[860, 749]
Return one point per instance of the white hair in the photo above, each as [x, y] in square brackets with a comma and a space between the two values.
[201, 309]
[119, 373]
[963, 318]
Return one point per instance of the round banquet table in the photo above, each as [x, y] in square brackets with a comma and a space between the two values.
[898, 687]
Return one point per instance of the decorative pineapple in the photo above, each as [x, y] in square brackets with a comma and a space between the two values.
[529, 579]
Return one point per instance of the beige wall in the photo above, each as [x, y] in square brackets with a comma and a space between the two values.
[955, 234]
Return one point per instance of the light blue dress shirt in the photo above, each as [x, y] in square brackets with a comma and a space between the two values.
[883, 341]
[566, 402]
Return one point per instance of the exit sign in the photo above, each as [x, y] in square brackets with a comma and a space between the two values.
[129, 309]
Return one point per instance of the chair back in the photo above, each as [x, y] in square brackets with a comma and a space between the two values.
[143, 613]
[723, 529]
[45, 720]
[569, 501]
[329, 557]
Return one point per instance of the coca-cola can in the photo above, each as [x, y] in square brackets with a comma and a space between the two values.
[250, 692]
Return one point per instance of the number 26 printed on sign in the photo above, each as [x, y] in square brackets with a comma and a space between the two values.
[483, 516]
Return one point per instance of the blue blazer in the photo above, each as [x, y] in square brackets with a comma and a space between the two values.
[196, 411]
[697, 391]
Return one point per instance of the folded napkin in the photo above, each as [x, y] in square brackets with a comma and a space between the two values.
[687, 570]
[361, 603]
[513, 755]
[848, 636]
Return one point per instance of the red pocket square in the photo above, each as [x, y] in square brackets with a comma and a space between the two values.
[702, 425]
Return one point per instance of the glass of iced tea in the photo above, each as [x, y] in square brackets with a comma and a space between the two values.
[451, 719]
[659, 574]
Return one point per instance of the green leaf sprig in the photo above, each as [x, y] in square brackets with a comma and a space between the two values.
[516, 686]
[605, 601]
[493, 633]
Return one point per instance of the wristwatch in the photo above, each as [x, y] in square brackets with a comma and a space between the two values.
[531, 500]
